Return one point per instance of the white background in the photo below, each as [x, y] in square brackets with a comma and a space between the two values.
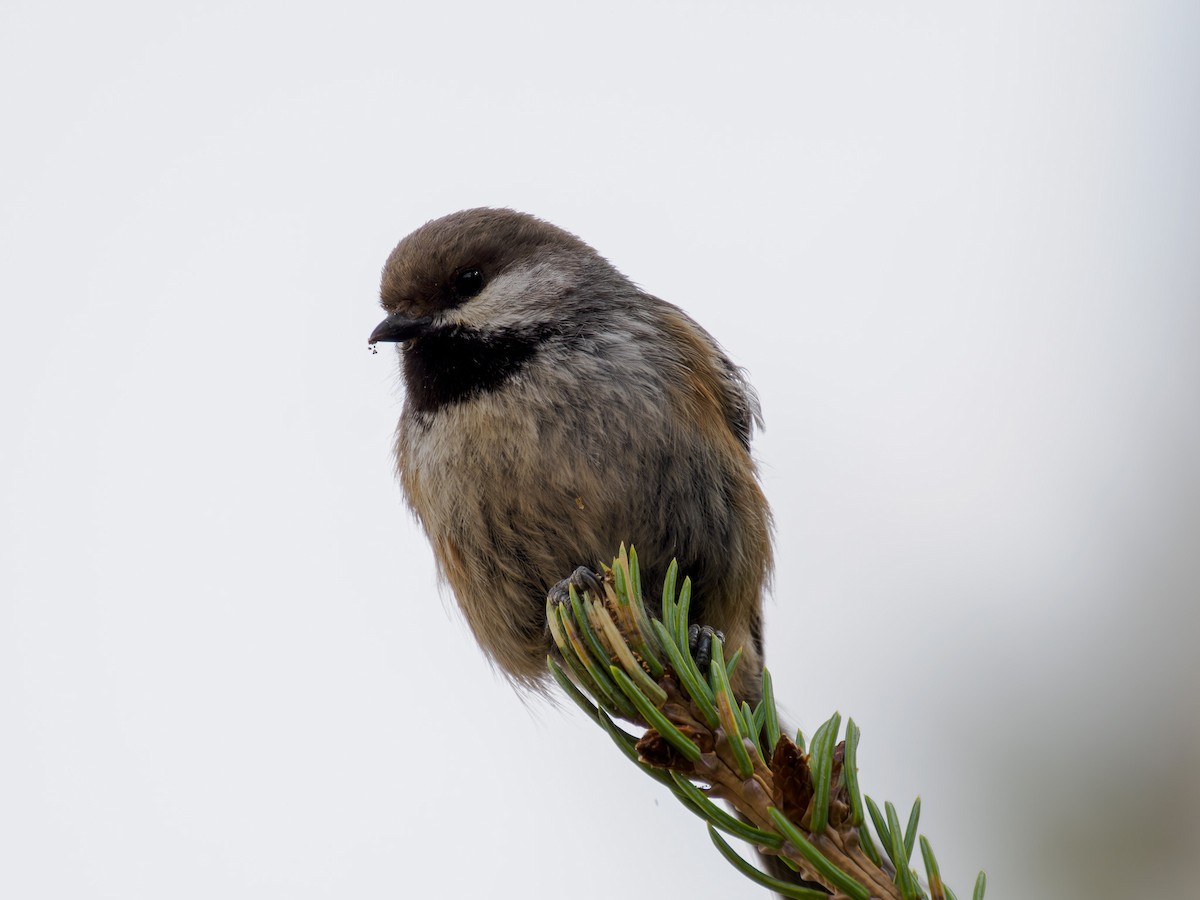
[956, 246]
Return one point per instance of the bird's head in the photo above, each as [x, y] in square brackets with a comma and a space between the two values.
[478, 296]
[481, 271]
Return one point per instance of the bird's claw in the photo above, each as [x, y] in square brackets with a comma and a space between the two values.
[700, 643]
[582, 579]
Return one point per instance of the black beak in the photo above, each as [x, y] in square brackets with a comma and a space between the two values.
[398, 327]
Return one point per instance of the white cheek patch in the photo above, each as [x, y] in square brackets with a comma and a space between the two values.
[515, 299]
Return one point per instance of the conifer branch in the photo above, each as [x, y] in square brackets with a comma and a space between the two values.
[804, 808]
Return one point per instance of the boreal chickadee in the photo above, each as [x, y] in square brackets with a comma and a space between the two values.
[554, 410]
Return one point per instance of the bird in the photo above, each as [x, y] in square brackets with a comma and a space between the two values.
[553, 411]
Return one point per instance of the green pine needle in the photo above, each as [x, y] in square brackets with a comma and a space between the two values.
[933, 873]
[581, 621]
[603, 621]
[569, 688]
[754, 726]
[732, 664]
[689, 676]
[821, 762]
[635, 573]
[596, 676]
[668, 596]
[850, 772]
[684, 613]
[723, 820]
[656, 720]
[908, 887]
[731, 719]
[772, 721]
[910, 832]
[823, 866]
[783, 888]
[868, 846]
[881, 829]
[642, 634]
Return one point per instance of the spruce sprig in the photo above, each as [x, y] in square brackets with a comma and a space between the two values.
[621, 662]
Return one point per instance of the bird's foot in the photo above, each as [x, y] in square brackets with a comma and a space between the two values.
[700, 642]
[582, 579]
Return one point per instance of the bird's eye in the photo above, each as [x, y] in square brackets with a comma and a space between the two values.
[468, 283]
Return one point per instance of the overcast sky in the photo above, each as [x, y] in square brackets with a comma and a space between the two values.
[956, 246]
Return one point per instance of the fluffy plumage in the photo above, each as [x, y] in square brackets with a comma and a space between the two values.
[554, 410]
